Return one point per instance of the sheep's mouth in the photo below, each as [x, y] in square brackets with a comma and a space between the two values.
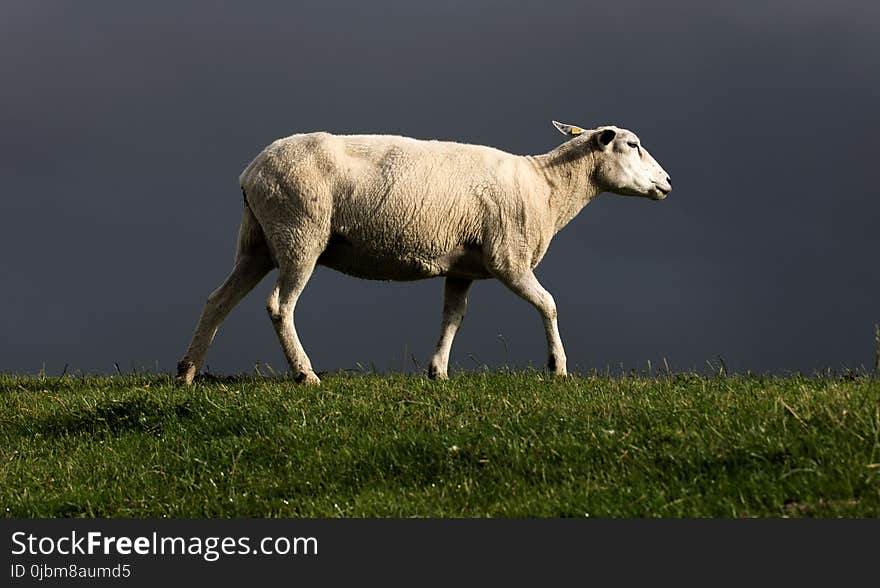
[660, 193]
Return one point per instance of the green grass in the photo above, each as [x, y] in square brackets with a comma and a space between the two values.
[481, 445]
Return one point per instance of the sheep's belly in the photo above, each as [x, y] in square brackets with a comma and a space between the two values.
[464, 262]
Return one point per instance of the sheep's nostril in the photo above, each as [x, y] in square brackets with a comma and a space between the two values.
[669, 181]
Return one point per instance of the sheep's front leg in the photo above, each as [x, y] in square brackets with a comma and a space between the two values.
[454, 305]
[527, 287]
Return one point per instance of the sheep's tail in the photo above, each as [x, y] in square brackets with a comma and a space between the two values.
[251, 239]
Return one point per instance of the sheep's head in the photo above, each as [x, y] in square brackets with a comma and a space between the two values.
[621, 164]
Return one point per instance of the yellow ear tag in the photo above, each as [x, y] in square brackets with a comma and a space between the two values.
[576, 130]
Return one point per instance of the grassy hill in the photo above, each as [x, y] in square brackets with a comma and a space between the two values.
[481, 445]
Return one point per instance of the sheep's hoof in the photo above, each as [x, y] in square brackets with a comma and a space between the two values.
[186, 372]
[556, 367]
[435, 374]
[308, 378]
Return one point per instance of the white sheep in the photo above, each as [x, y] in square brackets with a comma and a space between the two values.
[393, 208]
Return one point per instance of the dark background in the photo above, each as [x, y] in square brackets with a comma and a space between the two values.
[124, 126]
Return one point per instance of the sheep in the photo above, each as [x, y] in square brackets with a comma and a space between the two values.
[386, 207]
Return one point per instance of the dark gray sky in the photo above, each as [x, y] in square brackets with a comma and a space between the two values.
[123, 128]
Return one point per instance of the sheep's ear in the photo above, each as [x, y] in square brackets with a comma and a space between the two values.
[567, 130]
[605, 136]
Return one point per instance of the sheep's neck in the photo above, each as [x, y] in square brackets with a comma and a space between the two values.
[568, 184]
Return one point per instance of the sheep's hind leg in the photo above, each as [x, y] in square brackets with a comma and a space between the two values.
[529, 288]
[248, 271]
[454, 305]
[282, 301]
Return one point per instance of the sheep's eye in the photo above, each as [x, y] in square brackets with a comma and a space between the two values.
[633, 144]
